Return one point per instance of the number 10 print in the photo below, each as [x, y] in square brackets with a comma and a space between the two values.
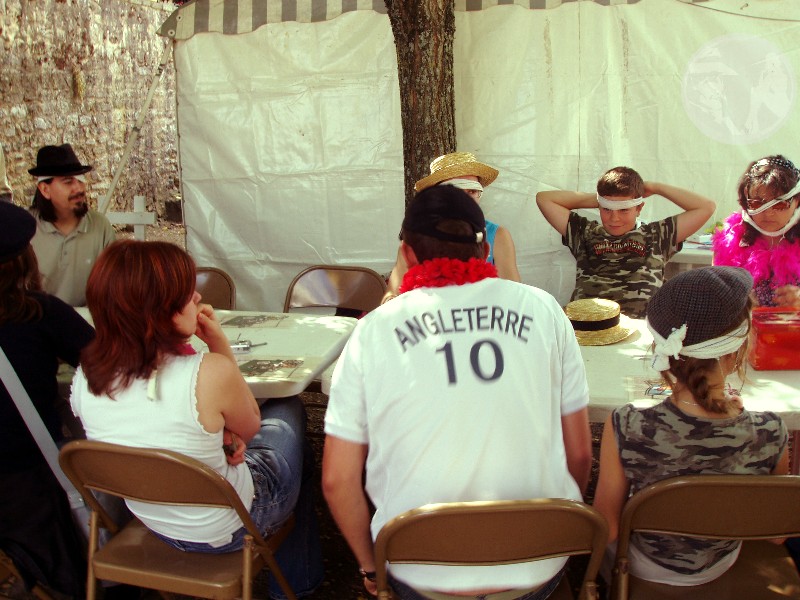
[475, 361]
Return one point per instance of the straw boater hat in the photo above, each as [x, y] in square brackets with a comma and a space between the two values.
[457, 164]
[598, 321]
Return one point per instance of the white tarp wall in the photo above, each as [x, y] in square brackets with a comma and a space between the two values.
[290, 139]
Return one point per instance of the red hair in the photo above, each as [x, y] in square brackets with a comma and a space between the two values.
[133, 292]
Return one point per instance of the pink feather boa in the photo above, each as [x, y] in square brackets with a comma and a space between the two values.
[779, 265]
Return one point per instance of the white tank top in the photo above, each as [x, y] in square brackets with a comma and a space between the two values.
[166, 420]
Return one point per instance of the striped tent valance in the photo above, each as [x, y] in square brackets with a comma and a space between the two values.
[242, 16]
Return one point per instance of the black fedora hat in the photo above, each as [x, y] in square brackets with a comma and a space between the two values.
[58, 161]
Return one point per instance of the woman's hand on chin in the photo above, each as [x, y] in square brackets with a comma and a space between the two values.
[210, 331]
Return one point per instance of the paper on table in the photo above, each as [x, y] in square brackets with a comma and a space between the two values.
[246, 321]
[263, 367]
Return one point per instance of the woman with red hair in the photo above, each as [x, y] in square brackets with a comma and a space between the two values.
[141, 384]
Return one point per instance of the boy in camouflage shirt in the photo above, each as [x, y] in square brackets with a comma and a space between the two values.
[620, 258]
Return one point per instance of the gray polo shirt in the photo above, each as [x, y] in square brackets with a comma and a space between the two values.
[65, 261]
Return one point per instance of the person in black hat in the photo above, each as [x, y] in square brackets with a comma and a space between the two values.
[69, 235]
[464, 387]
[37, 331]
[702, 428]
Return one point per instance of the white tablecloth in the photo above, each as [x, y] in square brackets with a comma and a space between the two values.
[289, 350]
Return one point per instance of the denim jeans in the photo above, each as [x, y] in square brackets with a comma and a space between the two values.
[282, 466]
[403, 591]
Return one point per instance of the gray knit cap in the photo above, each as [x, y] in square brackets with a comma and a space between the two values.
[708, 300]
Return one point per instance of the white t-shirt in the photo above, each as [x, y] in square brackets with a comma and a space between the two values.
[459, 393]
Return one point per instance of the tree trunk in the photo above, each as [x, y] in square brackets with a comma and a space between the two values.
[423, 35]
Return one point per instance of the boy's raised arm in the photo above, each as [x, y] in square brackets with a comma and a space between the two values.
[557, 204]
[697, 209]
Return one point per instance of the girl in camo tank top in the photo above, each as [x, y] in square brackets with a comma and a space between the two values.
[701, 429]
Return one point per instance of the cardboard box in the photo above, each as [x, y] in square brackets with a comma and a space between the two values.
[775, 339]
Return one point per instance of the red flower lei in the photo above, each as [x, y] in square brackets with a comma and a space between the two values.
[441, 272]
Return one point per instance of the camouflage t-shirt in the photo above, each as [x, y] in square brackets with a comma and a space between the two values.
[628, 268]
[661, 442]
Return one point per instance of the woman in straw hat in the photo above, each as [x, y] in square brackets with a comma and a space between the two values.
[701, 429]
[462, 170]
[764, 237]
[36, 331]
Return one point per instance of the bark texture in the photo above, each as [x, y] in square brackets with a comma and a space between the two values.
[423, 34]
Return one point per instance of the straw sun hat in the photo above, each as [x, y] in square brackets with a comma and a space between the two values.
[598, 321]
[457, 164]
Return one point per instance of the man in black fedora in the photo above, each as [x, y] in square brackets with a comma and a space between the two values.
[69, 235]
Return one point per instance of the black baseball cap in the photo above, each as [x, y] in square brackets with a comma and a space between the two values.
[440, 203]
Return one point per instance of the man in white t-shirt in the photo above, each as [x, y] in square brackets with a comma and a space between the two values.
[464, 387]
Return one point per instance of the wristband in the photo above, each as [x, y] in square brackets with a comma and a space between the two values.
[368, 575]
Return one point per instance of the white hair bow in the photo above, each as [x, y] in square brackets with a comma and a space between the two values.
[664, 348]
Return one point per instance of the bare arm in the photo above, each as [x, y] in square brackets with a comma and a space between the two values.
[342, 472]
[223, 397]
[505, 255]
[578, 445]
[697, 209]
[612, 486]
[557, 204]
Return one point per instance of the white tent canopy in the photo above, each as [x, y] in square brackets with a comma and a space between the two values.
[291, 144]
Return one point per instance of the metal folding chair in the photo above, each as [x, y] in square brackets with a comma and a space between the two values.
[350, 290]
[723, 507]
[494, 533]
[134, 555]
[216, 287]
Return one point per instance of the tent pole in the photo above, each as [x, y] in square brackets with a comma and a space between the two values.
[106, 200]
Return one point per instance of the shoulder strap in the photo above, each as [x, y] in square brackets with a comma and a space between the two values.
[36, 426]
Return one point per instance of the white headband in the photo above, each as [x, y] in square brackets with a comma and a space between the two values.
[464, 184]
[618, 204]
[713, 348]
[81, 178]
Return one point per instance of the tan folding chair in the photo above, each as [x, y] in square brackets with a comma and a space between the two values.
[216, 287]
[134, 555]
[724, 507]
[494, 533]
[351, 290]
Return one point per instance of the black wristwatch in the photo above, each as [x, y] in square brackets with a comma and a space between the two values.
[368, 575]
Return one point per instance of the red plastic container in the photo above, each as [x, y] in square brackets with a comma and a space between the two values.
[775, 339]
